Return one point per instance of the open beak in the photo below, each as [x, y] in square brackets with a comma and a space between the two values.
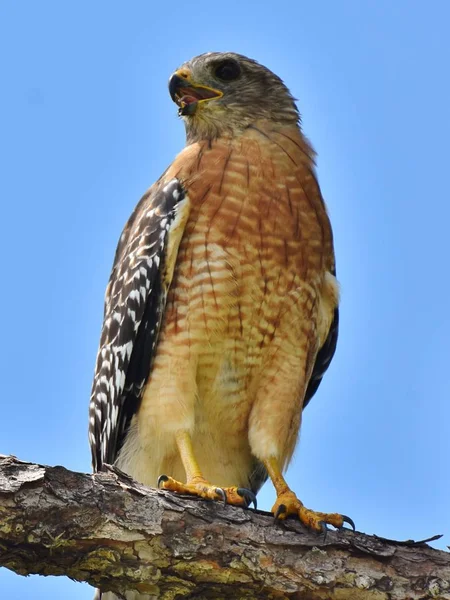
[188, 95]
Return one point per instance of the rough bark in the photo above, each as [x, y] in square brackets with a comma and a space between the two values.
[114, 533]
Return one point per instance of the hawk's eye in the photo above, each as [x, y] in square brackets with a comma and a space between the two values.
[227, 70]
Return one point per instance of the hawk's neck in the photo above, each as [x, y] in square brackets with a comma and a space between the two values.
[257, 144]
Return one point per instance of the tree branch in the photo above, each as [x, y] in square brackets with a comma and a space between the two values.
[116, 534]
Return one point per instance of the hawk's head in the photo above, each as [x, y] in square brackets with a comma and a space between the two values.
[222, 92]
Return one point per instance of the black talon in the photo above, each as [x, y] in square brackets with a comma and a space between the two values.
[248, 496]
[222, 494]
[324, 529]
[161, 479]
[349, 521]
[280, 510]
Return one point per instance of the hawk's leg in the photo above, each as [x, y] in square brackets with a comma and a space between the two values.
[287, 503]
[196, 484]
[276, 414]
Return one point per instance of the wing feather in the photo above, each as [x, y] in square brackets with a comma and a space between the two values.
[134, 307]
[323, 358]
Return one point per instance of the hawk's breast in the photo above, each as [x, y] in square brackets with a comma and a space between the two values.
[258, 231]
[250, 266]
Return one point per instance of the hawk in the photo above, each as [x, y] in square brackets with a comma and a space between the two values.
[221, 312]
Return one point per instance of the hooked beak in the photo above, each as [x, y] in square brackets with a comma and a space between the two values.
[187, 94]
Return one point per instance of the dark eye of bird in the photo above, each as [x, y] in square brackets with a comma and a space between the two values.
[227, 70]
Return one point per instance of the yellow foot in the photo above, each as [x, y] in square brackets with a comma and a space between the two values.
[288, 504]
[203, 489]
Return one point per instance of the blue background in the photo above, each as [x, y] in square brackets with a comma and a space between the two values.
[86, 125]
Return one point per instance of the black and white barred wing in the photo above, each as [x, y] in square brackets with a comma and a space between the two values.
[134, 308]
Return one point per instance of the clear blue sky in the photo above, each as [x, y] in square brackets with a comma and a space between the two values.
[86, 125]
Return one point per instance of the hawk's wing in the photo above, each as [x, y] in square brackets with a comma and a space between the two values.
[323, 358]
[134, 307]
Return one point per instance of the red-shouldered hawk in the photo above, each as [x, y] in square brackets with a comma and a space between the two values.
[221, 312]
